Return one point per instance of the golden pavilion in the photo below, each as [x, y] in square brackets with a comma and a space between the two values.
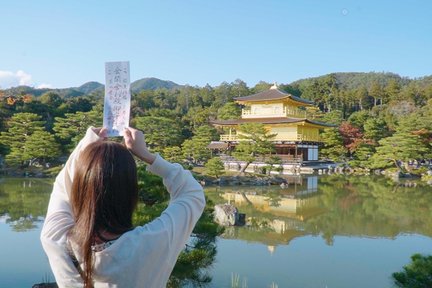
[297, 136]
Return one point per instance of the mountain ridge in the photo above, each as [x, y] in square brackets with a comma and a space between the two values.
[149, 83]
[350, 80]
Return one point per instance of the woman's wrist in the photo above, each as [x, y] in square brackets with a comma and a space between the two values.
[147, 157]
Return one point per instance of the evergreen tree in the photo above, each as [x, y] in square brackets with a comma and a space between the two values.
[261, 86]
[195, 149]
[229, 111]
[391, 90]
[271, 162]
[160, 132]
[359, 118]
[418, 274]
[398, 149]
[20, 142]
[413, 92]
[376, 92]
[41, 146]
[333, 148]
[72, 128]
[51, 99]
[362, 155]
[363, 99]
[198, 116]
[214, 167]
[334, 117]
[255, 141]
[173, 154]
[239, 88]
[375, 128]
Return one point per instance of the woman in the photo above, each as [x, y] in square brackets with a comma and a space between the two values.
[88, 234]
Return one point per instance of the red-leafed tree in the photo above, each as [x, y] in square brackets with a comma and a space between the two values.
[351, 135]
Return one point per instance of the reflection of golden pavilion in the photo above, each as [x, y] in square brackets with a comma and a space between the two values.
[274, 215]
[299, 209]
[272, 221]
[295, 202]
[271, 249]
[279, 226]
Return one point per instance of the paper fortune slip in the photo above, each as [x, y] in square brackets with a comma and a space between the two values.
[117, 98]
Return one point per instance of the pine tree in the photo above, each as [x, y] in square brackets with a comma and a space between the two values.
[362, 155]
[214, 167]
[333, 148]
[24, 139]
[160, 132]
[376, 92]
[195, 148]
[256, 141]
[72, 128]
[229, 111]
[398, 149]
[173, 154]
[375, 129]
[41, 145]
[391, 90]
[416, 274]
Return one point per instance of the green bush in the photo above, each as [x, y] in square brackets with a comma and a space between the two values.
[214, 167]
[417, 274]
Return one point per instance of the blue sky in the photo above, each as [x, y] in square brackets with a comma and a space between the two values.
[66, 43]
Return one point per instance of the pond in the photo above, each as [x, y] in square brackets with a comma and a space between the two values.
[23, 204]
[328, 231]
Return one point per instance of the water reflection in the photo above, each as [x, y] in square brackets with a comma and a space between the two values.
[23, 202]
[328, 206]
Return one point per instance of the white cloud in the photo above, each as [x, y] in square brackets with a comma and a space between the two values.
[44, 85]
[4, 218]
[10, 79]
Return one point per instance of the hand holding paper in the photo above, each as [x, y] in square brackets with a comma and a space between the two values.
[135, 142]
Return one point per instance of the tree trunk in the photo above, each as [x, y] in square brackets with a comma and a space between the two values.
[242, 171]
[397, 165]
[246, 199]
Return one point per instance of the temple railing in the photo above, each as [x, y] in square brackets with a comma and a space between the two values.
[298, 137]
[296, 113]
[286, 112]
[284, 158]
[228, 137]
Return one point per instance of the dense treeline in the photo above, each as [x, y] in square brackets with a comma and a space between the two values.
[380, 117]
[380, 124]
[172, 119]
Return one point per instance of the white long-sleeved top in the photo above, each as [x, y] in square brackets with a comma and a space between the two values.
[142, 257]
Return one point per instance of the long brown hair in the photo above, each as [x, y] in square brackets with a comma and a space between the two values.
[104, 195]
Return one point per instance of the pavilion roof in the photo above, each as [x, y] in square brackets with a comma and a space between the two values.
[217, 145]
[272, 94]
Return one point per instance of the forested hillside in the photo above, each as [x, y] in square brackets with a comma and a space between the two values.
[380, 117]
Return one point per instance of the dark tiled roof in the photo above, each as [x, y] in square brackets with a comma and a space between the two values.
[321, 123]
[272, 94]
[267, 121]
[217, 145]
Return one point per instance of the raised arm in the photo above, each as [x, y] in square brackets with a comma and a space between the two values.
[187, 199]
